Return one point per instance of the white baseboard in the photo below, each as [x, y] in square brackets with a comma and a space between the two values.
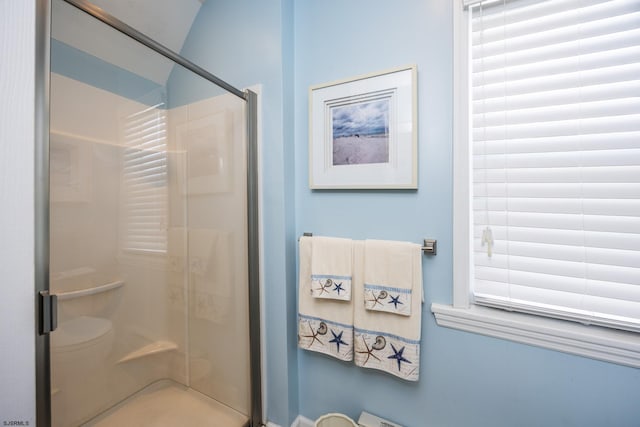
[302, 422]
[270, 424]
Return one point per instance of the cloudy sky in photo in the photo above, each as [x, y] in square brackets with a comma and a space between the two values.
[364, 118]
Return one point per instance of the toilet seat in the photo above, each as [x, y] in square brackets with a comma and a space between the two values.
[79, 332]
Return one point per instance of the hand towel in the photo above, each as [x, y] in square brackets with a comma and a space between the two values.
[388, 276]
[211, 274]
[324, 325]
[331, 268]
[383, 340]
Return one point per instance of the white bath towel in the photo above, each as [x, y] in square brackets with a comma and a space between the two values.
[331, 267]
[388, 276]
[324, 325]
[386, 341]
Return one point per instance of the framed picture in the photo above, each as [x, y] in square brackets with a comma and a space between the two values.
[206, 143]
[362, 132]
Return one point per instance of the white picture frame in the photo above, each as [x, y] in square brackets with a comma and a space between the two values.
[363, 132]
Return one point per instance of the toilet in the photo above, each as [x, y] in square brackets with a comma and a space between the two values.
[80, 349]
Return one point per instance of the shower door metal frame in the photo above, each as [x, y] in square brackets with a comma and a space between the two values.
[42, 236]
[41, 207]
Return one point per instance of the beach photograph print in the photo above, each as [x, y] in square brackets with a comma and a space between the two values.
[360, 133]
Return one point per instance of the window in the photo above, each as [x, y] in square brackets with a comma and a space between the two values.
[145, 181]
[547, 173]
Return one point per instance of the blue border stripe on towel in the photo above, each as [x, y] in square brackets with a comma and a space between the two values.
[387, 288]
[304, 316]
[329, 276]
[366, 331]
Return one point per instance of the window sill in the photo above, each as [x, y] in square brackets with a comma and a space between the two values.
[595, 342]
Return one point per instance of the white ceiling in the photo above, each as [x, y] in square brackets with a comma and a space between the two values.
[166, 21]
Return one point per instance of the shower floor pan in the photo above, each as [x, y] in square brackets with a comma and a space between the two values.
[169, 404]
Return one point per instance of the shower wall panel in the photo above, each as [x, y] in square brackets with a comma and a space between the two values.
[210, 134]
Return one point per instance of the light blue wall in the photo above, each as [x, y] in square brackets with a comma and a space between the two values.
[245, 43]
[466, 379]
[78, 65]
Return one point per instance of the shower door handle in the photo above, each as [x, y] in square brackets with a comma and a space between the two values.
[48, 312]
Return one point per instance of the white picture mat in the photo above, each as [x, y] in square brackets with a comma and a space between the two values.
[401, 170]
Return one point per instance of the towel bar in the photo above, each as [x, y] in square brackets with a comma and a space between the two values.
[429, 246]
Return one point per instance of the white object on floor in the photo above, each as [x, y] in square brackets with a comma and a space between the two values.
[335, 420]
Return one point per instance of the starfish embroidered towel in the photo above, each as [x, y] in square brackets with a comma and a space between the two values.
[331, 267]
[324, 325]
[388, 275]
[382, 340]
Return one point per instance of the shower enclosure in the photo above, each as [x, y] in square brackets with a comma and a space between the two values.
[151, 316]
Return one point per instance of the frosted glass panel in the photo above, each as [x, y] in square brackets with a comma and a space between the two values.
[148, 223]
[212, 140]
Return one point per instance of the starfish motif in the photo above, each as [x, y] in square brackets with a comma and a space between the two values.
[313, 336]
[376, 299]
[369, 352]
[398, 356]
[322, 289]
[395, 301]
[338, 339]
[338, 288]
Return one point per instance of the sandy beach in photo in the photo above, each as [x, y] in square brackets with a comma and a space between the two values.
[349, 150]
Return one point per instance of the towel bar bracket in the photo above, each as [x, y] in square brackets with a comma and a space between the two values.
[430, 247]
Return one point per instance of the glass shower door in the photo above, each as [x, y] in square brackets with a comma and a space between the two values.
[148, 229]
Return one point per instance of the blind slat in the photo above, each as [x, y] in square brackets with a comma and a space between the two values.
[605, 141]
[597, 174]
[628, 103]
[609, 207]
[560, 252]
[536, 78]
[602, 239]
[616, 224]
[560, 97]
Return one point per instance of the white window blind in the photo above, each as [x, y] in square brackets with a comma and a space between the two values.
[555, 107]
[145, 181]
